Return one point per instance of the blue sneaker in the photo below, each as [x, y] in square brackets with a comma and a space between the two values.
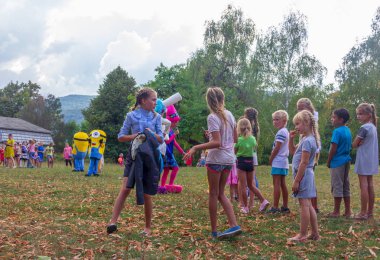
[231, 232]
[214, 235]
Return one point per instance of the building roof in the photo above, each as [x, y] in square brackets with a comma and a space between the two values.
[12, 123]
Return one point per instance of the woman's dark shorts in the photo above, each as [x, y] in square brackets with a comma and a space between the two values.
[245, 164]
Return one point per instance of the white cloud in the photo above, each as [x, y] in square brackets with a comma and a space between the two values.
[68, 46]
[16, 65]
[129, 50]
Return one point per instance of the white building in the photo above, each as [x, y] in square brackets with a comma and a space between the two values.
[23, 131]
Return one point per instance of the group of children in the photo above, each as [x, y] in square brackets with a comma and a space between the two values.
[25, 155]
[232, 144]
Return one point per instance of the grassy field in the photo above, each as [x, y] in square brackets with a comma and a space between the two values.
[57, 213]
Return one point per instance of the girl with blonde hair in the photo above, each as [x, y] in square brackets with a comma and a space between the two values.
[303, 174]
[222, 136]
[367, 158]
[244, 151]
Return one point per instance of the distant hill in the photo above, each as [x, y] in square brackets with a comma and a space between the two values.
[72, 106]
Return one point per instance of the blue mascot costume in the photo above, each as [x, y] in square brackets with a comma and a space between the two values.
[97, 144]
[79, 152]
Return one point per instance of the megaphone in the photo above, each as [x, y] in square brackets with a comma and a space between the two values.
[173, 99]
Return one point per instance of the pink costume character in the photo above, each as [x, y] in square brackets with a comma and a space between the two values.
[170, 161]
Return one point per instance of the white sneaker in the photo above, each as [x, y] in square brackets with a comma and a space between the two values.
[244, 210]
[264, 205]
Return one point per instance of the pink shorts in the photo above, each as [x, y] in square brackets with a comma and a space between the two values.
[233, 177]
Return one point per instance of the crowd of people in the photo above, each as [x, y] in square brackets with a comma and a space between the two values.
[230, 156]
[29, 154]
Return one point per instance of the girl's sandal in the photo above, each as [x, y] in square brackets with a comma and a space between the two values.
[297, 239]
[347, 216]
[333, 215]
[314, 237]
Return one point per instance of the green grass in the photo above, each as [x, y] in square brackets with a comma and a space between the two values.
[57, 213]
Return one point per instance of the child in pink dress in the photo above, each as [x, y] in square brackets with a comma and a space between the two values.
[233, 182]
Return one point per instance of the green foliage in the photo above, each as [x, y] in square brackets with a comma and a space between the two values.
[107, 111]
[65, 134]
[284, 67]
[166, 82]
[46, 113]
[14, 96]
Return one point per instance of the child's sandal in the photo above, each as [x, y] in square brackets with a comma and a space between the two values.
[313, 237]
[297, 239]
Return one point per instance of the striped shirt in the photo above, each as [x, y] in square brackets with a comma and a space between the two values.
[281, 159]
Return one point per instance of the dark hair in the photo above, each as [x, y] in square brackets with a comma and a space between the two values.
[251, 114]
[342, 113]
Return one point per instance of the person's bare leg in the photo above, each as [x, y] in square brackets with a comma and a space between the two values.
[251, 194]
[148, 209]
[243, 188]
[336, 212]
[371, 196]
[305, 205]
[119, 202]
[364, 196]
[252, 188]
[285, 193]
[213, 184]
[276, 190]
[227, 206]
[347, 206]
[313, 223]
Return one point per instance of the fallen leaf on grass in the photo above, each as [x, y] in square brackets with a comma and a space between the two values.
[372, 252]
[115, 235]
[349, 230]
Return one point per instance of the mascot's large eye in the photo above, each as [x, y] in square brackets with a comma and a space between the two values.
[95, 134]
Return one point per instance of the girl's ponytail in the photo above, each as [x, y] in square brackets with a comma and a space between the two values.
[314, 127]
[244, 127]
[368, 108]
[373, 114]
[252, 115]
[215, 101]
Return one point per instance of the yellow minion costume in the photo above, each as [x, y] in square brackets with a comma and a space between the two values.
[79, 152]
[97, 146]
[101, 150]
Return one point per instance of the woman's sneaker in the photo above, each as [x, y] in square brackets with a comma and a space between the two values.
[214, 235]
[273, 210]
[264, 205]
[244, 210]
[285, 210]
[111, 228]
[231, 232]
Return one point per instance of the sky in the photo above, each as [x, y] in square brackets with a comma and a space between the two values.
[69, 46]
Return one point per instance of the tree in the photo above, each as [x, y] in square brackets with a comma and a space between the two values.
[107, 110]
[283, 64]
[65, 134]
[46, 113]
[360, 70]
[225, 57]
[165, 81]
[14, 96]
